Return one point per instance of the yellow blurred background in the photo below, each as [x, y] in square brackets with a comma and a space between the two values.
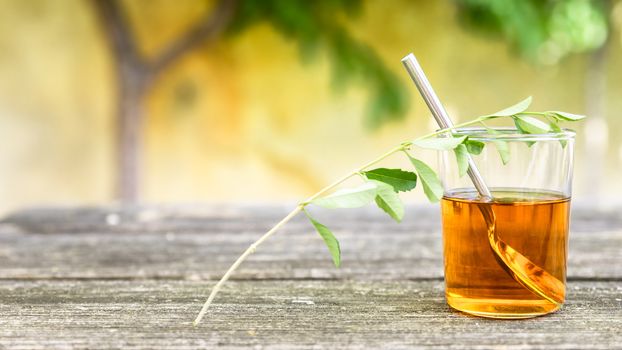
[245, 119]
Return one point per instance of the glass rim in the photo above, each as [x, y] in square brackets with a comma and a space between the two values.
[512, 134]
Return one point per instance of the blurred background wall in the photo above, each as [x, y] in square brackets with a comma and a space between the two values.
[250, 116]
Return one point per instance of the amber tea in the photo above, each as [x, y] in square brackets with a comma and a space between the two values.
[532, 222]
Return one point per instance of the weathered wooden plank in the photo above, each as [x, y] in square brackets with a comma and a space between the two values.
[200, 243]
[388, 294]
[288, 315]
[236, 218]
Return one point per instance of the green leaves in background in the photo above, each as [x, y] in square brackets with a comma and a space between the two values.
[431, 183]
[399, 179]
[349, 197]
[321, 27]
[388, 200]
[331, 242]
[440, 143]
[543, 31]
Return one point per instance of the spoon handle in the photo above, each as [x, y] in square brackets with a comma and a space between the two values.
[440, 115]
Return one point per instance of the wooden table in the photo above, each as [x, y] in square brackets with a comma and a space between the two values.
[136, 278]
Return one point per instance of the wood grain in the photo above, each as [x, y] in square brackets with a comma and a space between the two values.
[196, 243]
[289, 315]
[134, 278]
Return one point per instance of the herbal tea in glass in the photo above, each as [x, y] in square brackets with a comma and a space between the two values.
[505, 256]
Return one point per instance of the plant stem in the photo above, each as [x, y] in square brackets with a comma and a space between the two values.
[251, 249]
[533, 113]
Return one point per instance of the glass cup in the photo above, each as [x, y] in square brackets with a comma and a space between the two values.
[505, 257]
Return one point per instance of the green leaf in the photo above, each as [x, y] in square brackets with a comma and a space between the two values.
[440, 143]
[504, 151]
[462, 158]
[401, 180]
[331, 242]
[502, 146]
[568, 116]
[556, 129]
[531, 125]
[431, 183]
[522, 131]
[515, 109]
[349, 197]
[388, 200]
[474, 147]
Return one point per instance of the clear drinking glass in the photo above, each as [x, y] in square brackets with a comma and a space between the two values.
[505, 257]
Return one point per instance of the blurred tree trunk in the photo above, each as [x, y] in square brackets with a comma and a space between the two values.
[136, 75]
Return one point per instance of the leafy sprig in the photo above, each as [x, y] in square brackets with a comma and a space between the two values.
[383, 185]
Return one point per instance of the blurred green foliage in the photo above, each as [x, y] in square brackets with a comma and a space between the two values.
[316, 26]
[543, 31]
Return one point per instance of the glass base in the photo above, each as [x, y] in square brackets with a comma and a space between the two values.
[502, 308]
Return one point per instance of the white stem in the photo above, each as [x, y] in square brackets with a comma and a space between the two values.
[251, 249]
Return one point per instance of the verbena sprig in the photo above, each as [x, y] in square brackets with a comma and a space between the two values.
[382, 185]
